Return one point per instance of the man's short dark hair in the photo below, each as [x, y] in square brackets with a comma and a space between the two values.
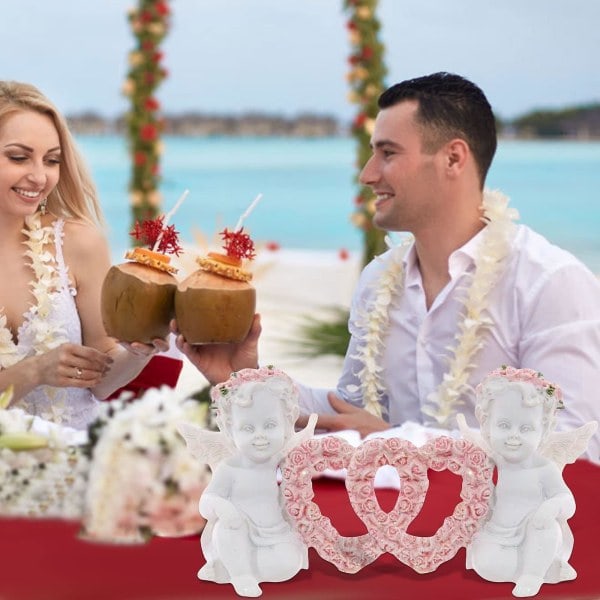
[449, 106]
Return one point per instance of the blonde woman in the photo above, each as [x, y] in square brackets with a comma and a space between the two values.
[53, 259]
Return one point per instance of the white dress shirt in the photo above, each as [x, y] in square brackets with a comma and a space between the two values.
[545, 310]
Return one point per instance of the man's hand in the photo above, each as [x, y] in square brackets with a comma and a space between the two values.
[348, 417]
[217, 361]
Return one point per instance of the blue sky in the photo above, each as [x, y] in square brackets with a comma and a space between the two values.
[289, 56]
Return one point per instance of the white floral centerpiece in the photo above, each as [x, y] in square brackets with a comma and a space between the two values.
[42, 470]
[142, 479]
[130, 476]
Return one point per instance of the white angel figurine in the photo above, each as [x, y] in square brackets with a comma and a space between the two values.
[247, 538]
[526, 538]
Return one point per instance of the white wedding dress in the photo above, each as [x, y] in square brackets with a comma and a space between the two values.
[48, 326]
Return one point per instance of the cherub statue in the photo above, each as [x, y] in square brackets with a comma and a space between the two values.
[526, 539]
[247, 538]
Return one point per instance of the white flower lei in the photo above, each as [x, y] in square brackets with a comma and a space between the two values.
[45, 281]
[488, 266]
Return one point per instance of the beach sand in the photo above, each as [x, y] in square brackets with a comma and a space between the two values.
[290, 285]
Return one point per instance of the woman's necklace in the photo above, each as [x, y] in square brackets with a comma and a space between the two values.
[442, 403]
[46, 280]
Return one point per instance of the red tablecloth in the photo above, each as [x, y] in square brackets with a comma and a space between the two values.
[160, 370]
[45, 560]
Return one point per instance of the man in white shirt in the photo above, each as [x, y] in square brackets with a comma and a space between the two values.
[471, 292]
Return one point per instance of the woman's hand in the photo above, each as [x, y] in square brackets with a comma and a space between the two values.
[141, 349]
[72, 365]
[217, 361]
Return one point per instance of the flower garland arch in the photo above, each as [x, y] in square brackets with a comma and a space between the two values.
[366, 80]
[149, 23]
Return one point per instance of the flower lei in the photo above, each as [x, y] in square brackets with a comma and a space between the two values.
[46, 280]
[489, 264]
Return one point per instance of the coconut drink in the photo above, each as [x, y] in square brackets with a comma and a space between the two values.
[137, 300]
[216, 303]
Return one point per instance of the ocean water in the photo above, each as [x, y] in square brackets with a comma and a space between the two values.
[308, 189]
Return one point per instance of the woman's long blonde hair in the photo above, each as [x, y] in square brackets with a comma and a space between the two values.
[75, 195]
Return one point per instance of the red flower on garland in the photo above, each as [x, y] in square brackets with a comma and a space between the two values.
[151, 104]
[162, 8]
[359, 120]
[238, 244]
[150, 230]
[148, 133]
[146, 16]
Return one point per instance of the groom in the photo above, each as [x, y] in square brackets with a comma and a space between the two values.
[473, 291]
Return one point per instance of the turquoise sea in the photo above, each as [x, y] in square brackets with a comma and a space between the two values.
[308, 188]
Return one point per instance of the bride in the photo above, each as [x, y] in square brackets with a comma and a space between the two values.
[54, 350]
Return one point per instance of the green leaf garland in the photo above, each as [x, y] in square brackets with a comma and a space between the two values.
[149, 23]
[366, 80]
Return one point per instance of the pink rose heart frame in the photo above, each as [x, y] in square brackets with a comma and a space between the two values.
[387, 530]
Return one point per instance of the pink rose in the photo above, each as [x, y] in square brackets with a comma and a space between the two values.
[381, 516]
[460, 446]
[294, 509]
[393, 445]
[418, 469]
[337, 463]
[370, 505]
[320, 466]
[330, 445]
[392, 532]
[476, 458]
[478, 510]
[297, 457]
[401, 460]
[438, 464]
[405, 505]
[443, 445]
[454, 466]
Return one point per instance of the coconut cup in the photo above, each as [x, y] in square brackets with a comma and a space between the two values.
[137, 302]
[214, 309]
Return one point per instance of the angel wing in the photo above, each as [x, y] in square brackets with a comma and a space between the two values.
[564, 447]
[209, 447]
[472, 435]
[301, 436]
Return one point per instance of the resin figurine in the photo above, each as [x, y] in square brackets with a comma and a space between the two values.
[247, 538]
[526, 539]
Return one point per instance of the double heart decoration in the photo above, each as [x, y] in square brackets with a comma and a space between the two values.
[387, 530]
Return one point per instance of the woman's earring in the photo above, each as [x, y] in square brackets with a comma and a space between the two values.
[42, 206]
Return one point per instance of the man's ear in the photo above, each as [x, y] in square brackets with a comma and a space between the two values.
[456, 155]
